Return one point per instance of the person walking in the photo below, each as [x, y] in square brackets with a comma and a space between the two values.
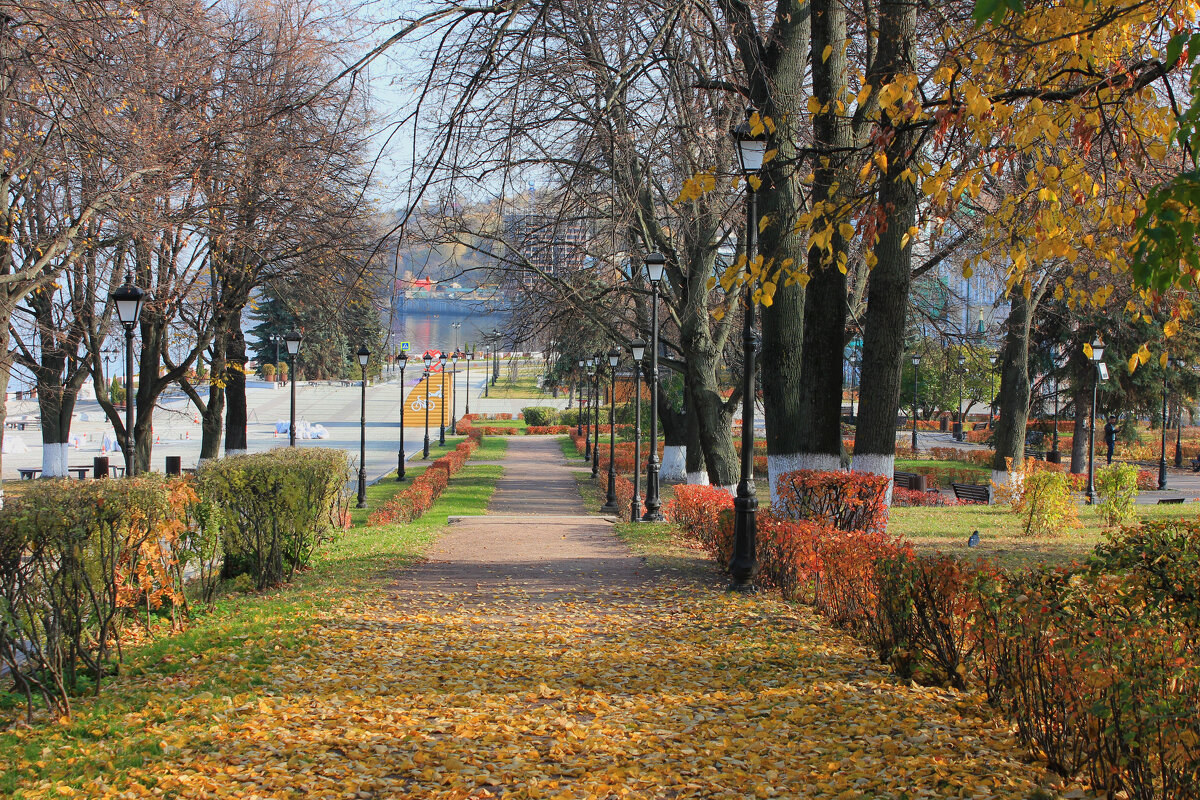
[1110, 435]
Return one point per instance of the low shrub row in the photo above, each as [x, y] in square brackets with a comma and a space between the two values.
[1097, 666]
[83, 563]
[419, 496]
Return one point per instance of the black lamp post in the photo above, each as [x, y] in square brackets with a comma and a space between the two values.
[292, 340]
[655, 266]
[487, 358]
[467, 410]
[364, 355]
[129, 300]
[402, 359]
[587, 431]
[610, 504]
[599, 358]
[428, 359]
[453, 394]
[579, 380]
[992, 403]
[916, 362]
[1179, 363]
[1054, 457]
[962, 376]
[1097, 361]
[1162, 450]
[495, 356]
[442, 411]
[638, 347]
[751, 148]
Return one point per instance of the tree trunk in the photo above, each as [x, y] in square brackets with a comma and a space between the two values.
[212, 415]
[889, 283]
[776, 77]
[235, 386]
[714, 420]
[1081, 397]
[674, 426]
[1014, 388]
[697, 472]
[5, 374]
[822, 355]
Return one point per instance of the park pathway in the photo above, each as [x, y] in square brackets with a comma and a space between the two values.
[533, 655]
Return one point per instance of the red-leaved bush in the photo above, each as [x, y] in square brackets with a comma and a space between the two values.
[699, 511]
[418, 497]
[848, 501]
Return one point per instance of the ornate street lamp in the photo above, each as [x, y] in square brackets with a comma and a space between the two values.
[402, 359]
[580, 374]
[916, 362]
[751, 149]
[962, 375]
[453, 394]
[487, 358]
[442, 410]
[655, 267]
[1179, 364]
[495, 356]
[292, 340]
[364, 355]
[1098, 362]
[590, 365]
[614, 358]
[467, 410]
[428, 359]
[992, 404]
[599, 359]
[638, 348]
[129, 300]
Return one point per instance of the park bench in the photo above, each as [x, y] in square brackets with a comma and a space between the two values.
[911, 480]
[1170, 501]
[29, 473]
[972, 492]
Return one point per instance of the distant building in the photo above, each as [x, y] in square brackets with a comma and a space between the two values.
[543, 246]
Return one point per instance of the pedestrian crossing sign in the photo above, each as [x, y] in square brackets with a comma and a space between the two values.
[406, 346]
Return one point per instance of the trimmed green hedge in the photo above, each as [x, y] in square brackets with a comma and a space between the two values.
[276, 508]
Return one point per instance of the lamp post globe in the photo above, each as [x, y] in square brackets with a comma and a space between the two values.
[292, 341]
[402, 361]
[750, 137]
[1097, 359]
[129, 300]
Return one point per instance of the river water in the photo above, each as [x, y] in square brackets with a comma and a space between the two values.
[437, 331]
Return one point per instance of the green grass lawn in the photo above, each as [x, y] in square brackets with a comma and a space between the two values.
[1002, 540]
[220, 658]
[519, 424]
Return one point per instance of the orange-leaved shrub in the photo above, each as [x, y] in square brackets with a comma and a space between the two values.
[848, 501]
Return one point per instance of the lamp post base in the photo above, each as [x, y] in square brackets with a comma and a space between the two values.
[400, 476]
[362, 488]
[610, 502]
[1162, 474]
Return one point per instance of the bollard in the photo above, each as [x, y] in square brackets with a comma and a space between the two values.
[174, 465]
[100, 467]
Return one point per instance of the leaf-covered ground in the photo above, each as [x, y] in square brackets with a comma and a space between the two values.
[368, 684]
[676, 692]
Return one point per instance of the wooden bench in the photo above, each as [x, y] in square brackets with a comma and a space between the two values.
[911, 481]
[972, 492]
[1170, 501]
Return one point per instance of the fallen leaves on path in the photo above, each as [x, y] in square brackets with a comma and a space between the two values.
[653, 693]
